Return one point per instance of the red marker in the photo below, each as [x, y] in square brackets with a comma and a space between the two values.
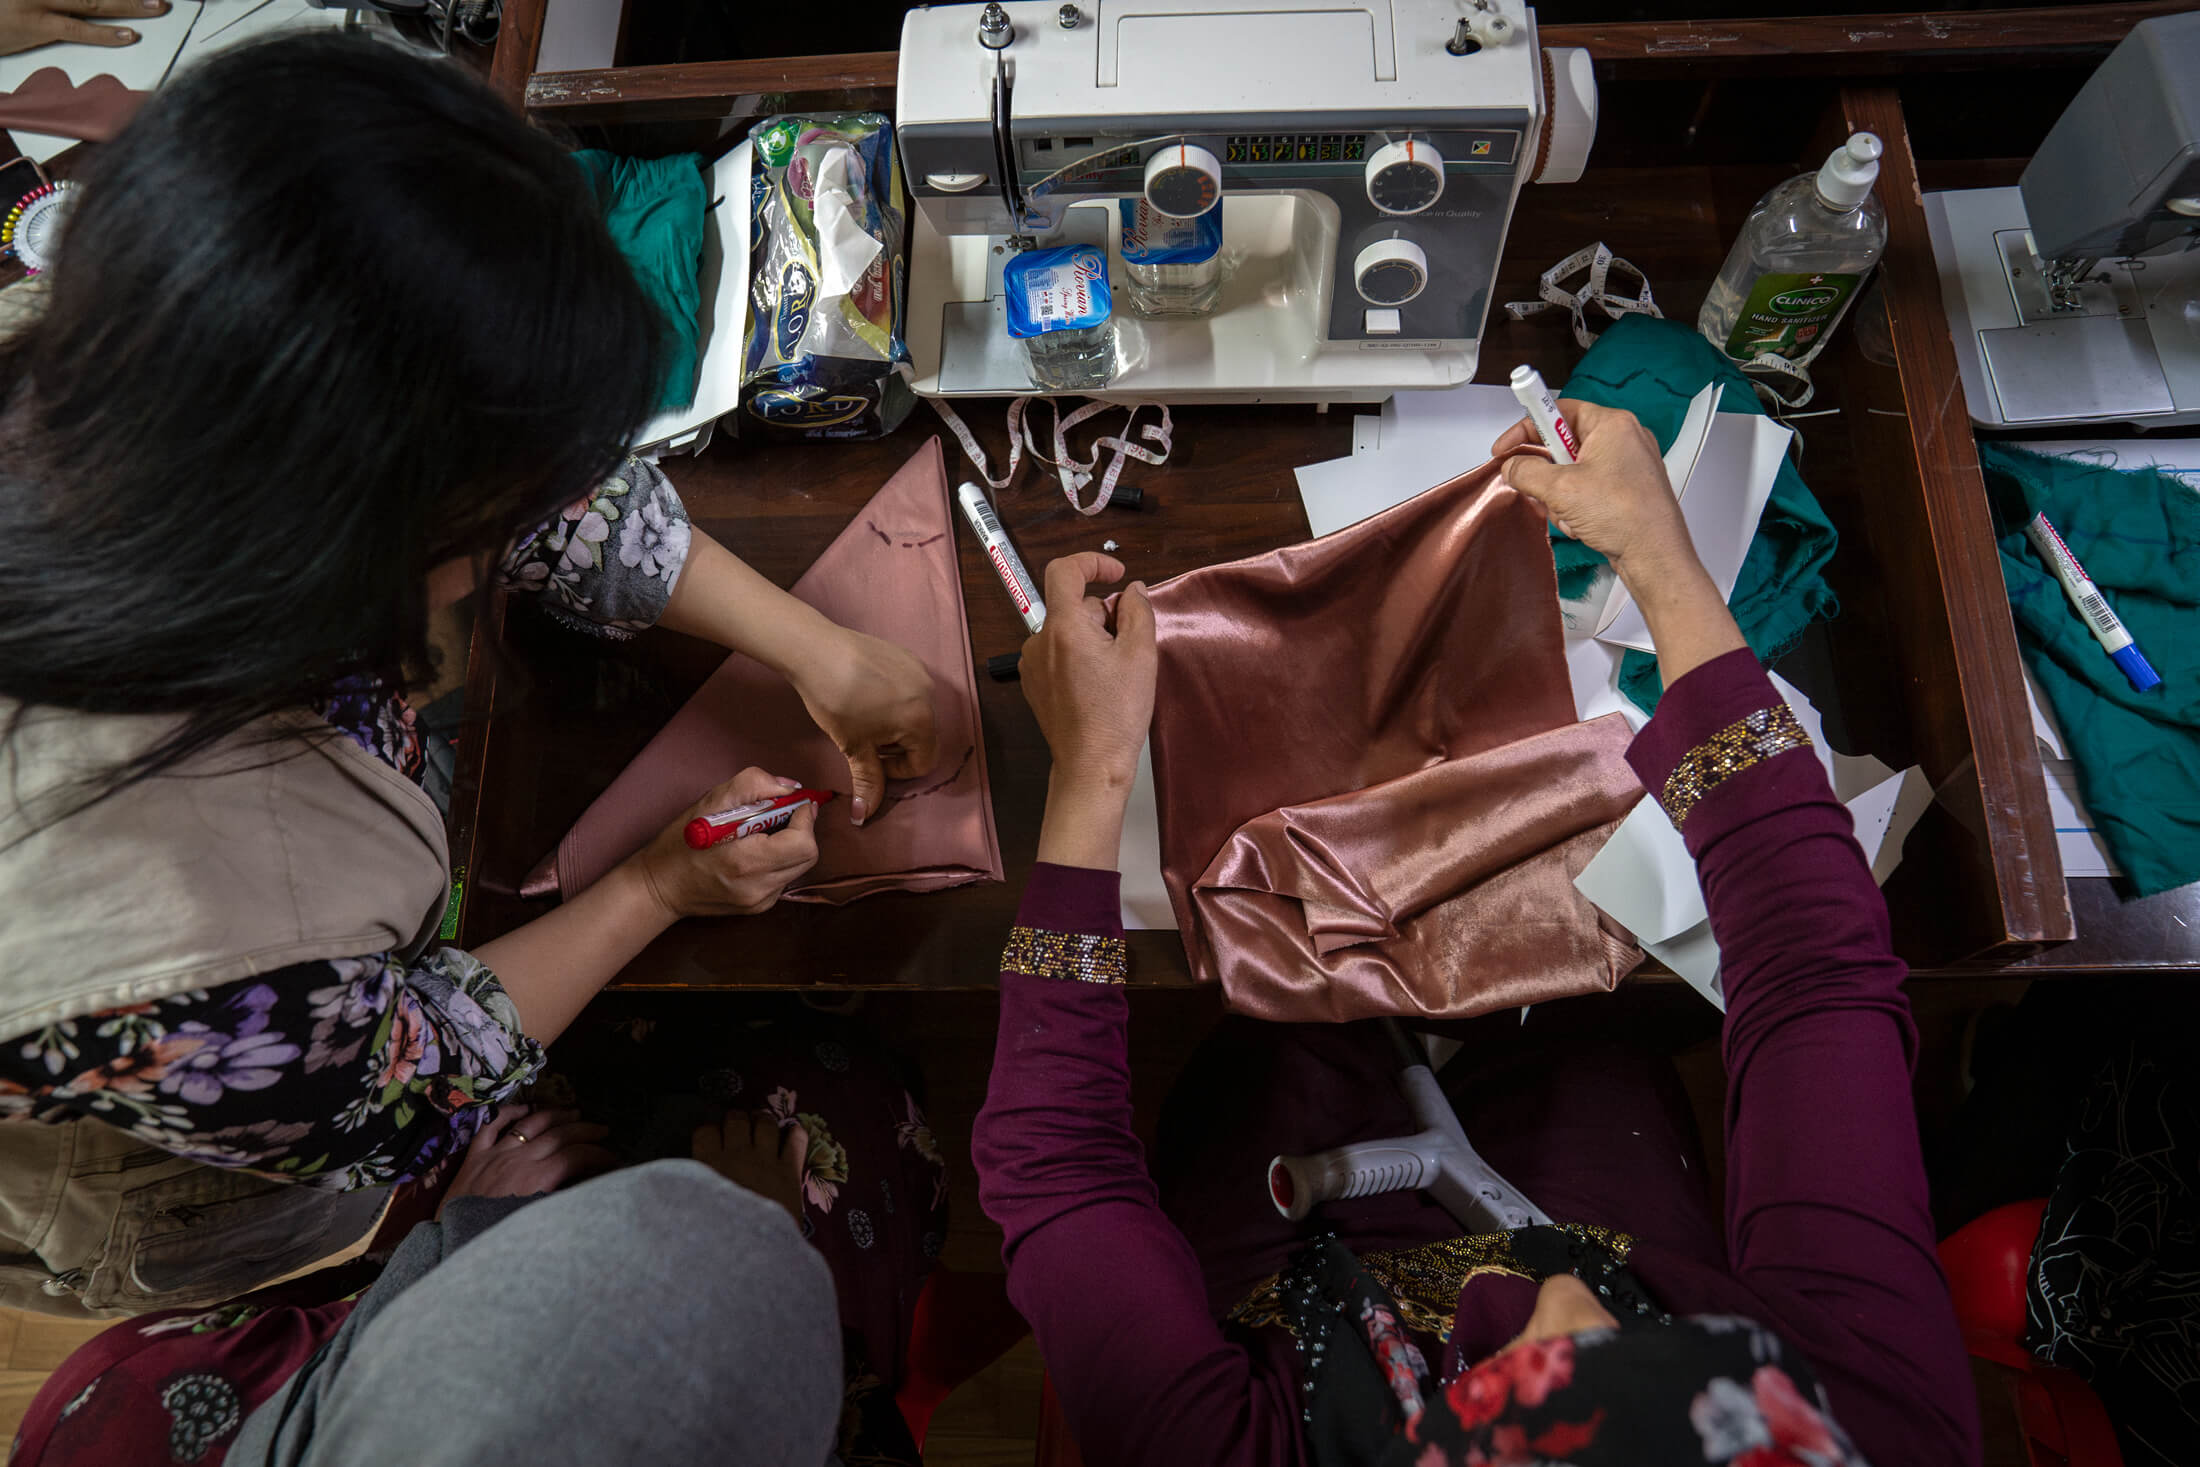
[761, 818]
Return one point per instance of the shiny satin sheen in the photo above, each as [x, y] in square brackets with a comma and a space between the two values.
[1374, 793]
[892, 573]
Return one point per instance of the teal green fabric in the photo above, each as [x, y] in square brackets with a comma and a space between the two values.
[2137, 533]
[1654, 368]
[654, 208]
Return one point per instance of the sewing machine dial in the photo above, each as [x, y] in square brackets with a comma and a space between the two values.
[1183, 180]
[1405, 177]
[1390, 272]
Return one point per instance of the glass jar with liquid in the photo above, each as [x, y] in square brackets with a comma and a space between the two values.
[1060, 307]
[1172, 266]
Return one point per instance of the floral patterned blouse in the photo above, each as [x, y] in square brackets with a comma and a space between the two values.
[365, 1071]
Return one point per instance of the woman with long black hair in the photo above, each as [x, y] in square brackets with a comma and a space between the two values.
[333, 335]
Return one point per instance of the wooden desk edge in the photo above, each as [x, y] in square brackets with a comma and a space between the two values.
[1825, 45]
[2028, 873]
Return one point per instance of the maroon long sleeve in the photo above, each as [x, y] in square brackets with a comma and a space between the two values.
[1825, 1199]
[1829, 1239]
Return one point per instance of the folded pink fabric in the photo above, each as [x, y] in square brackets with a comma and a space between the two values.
[892, 573]
[48, 102]
[1373, 792]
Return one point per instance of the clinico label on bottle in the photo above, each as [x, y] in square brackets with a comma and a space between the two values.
[1786, 315]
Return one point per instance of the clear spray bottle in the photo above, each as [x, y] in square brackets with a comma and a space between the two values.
[1801, 259]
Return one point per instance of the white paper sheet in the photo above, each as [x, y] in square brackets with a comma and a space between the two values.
[2044, 727]
[1145, 900]
[1646, 881]
[219, 16]
[227, 23]
[2161, 451]
[1367, 432]
[1644, 878]
[1884, 815]
[1694, 955]
[1723, 490]
[1418, 441]
[723, 307]
[1594, 668]
[141, 66]
[2078, 840]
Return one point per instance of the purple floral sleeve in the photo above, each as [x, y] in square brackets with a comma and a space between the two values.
[608, 563]
[352, 1072]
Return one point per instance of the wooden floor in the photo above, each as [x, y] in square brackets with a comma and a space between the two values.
[31, 1346]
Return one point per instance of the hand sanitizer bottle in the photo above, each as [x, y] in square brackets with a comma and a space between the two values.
[1800, 260]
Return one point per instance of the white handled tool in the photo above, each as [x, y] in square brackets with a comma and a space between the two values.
[1438, 1158]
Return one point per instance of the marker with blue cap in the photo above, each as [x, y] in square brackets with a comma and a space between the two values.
[2107, 629]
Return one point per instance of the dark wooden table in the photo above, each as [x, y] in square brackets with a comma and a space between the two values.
[570, 714]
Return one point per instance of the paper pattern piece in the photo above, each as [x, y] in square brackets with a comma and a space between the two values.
[1420, 439]
[1145, 897]
[892, 573]
[1722, 466]
[1645, 880]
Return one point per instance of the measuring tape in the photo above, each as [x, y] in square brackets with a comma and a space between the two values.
[1784, 381]
[1075, 474]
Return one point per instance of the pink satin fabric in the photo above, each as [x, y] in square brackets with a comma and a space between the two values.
[1374, 794]
[892, 572]
[48, 102]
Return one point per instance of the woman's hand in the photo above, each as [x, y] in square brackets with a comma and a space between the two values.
[523, 1150]
[875, 700]
[25, 24]
[1091, 688]
[1616, 499]
[735, 877]
[750, 1149]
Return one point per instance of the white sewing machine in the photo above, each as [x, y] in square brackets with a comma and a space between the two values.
[2075, 297]
[1365, 154]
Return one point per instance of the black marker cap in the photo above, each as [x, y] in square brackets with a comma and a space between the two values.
[1004, 668]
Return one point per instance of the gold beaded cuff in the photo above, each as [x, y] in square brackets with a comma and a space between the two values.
[1742, 744]
[1038, 953]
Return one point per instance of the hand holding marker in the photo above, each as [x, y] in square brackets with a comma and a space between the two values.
[1542, 409]
[761, 817]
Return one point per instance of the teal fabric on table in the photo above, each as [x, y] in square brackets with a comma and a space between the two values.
[654, 208]
[2137, 533]
[1654, 368]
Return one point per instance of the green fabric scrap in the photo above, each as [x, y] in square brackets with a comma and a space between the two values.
[2137, 533]
[654, 208]
[1654, 368]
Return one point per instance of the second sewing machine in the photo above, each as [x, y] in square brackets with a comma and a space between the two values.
[1363, 159]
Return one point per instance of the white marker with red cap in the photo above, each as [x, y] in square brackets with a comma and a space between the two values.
[1006, 562]
[1542, 409]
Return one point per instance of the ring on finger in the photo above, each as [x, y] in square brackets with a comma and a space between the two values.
[516, 1133]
